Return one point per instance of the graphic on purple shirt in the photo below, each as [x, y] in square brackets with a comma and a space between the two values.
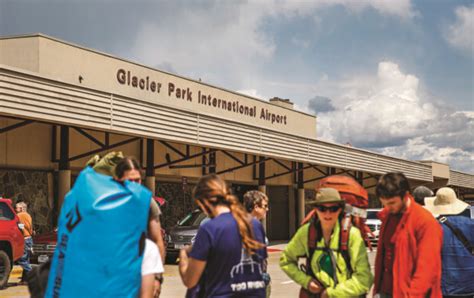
[229, 271]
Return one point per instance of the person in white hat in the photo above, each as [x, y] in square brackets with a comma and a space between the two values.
[457, 253]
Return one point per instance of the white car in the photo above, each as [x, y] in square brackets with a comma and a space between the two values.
[374, 223]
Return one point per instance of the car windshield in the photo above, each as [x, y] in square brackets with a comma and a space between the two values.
[372, 214]
[5, 212]
[192, 219]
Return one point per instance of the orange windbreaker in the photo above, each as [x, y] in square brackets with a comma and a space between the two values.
[417, 265]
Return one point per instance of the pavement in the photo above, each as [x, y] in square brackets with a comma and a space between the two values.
[282, 286]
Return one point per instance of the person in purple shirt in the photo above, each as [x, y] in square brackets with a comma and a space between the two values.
[228, 256]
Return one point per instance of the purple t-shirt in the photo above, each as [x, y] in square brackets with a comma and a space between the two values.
[229, 271]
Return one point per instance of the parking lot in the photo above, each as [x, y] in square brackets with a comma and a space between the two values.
[282, 286]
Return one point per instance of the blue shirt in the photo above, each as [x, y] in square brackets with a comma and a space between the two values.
[229, 271]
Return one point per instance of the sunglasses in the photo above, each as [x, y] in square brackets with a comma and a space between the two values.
[331, 209]
[138, 180]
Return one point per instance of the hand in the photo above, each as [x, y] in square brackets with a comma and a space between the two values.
[314, 287]
[324, 294]
[183, 255]
[188, 248]
[183, 261]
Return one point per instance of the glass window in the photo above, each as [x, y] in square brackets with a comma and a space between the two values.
[5, 212]
[192, 219]
[372, 214]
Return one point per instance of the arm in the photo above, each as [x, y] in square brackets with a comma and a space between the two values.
[190, 269]
[428, 261]
[297, 247]
[361, 280]
[154, 227]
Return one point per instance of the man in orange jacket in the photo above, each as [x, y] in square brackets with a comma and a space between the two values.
[408, 262]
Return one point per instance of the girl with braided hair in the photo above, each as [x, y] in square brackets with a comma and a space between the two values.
[227, 258]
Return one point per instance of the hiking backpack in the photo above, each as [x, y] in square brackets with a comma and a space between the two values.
[355, 214]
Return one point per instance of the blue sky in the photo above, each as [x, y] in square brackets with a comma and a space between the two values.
[394, 77]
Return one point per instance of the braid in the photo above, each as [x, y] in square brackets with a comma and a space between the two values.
[244, 222]
[213, 190]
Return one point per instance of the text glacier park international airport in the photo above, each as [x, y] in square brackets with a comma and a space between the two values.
[126, 78]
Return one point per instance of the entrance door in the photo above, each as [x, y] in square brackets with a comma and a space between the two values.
[278, 216]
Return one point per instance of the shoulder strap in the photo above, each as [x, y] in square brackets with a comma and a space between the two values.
[459, 234]
[312, 236]
[346, 225]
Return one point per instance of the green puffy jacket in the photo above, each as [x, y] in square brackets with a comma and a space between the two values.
[355, 285]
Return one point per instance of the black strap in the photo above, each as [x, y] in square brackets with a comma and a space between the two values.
[459, 234]
[347, 259]
[311, 245]
[312, 236]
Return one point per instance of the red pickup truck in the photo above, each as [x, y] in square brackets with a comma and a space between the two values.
[11, 239]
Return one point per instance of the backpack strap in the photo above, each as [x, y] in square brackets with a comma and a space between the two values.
[312, 236]
[459, 234]
[346, 225]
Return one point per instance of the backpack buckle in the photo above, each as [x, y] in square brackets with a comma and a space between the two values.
[443, 219]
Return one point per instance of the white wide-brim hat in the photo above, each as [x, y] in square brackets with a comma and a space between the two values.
[445, 203]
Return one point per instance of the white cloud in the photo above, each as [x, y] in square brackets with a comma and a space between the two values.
[387, 112]
[224, 43]
[252, 93]
[217, 43]
[419, 149]
[400, 8]
[460, 34]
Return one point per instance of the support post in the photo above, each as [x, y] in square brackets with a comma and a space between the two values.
[64, 177]
[212, 162]
[261, 185]
[301, 198]
[150, 165]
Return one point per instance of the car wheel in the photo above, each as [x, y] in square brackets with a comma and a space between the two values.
[5, 268]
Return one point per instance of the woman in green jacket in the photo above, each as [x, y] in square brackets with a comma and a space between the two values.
[332, 277]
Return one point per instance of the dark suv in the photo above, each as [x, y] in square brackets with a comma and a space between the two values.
[11, 239]
[183, 233]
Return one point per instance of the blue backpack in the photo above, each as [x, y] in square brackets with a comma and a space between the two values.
[101, 235]
[457, 255]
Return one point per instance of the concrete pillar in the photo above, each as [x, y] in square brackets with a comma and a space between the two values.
[150, 182]
[64, 185]
[301, 205]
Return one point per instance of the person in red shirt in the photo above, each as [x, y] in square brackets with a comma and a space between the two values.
[408, 261]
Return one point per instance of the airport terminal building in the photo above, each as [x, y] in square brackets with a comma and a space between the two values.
[60, 104]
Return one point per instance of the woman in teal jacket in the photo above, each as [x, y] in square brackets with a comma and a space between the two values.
[331, 278]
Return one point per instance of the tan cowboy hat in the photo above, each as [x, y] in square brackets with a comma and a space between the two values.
[445, 203]
[326, 195]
